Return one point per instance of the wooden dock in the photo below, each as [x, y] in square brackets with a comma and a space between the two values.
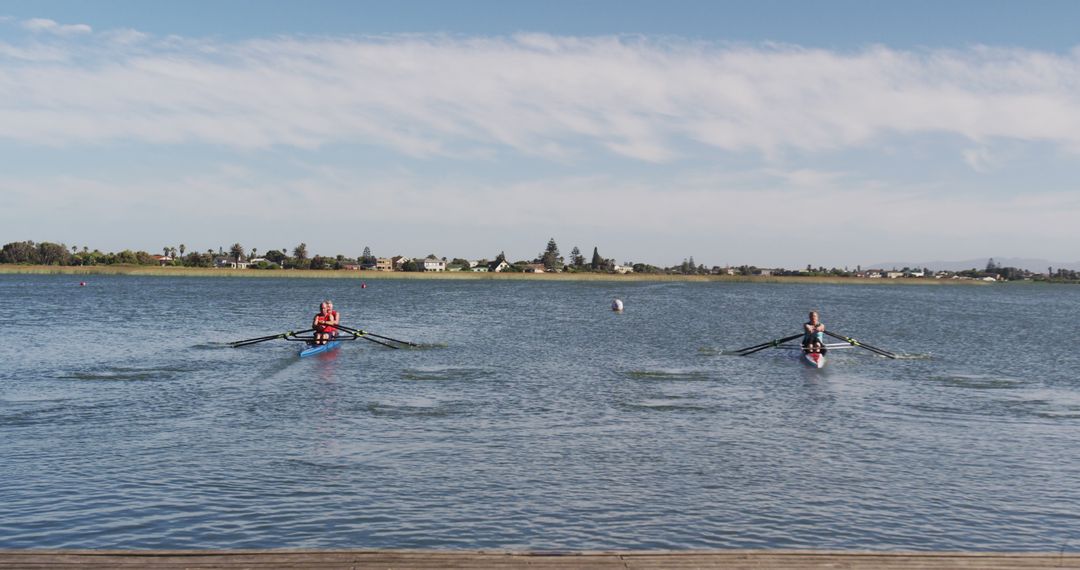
[429, 559]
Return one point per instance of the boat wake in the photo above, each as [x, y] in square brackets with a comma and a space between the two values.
[122, 374]
[670, 374]
[434, 374]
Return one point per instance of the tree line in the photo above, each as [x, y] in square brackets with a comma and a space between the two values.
[552, 260]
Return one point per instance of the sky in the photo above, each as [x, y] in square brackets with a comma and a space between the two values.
[768, 133]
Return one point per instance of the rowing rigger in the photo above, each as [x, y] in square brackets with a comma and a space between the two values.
[307, 336]
[814, 358]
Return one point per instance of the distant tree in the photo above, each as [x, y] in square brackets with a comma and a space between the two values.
[165, 251]
[550, 258]
[692, 267]
[196, 259]
[410, 265]
[53, 254]
[576, 259]
[320, 262]
[300, 252]
[237, 252]
[253, 254]
[500, 258]
[19, 252]
[182, 249]
[275, 256]
[367, 257]
[127, 257]
[597, 261]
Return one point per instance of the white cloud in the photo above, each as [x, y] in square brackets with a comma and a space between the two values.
[50, 26]
[536, 95]
[979, 159]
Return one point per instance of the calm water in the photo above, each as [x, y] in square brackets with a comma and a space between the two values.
[534, 417]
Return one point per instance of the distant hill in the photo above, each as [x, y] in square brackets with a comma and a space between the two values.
[1033, 265]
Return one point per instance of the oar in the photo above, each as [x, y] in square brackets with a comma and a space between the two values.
[239, 343]
[391, 339]
[854, 342]
[357, 333]
[764, 345]
[366, 334]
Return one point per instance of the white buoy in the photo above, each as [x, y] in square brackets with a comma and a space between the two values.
[617, 305]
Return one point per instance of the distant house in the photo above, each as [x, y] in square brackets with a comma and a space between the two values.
[431, 263]
[874, 273]
[478, 266]
[894, 274]
[534, 268]
[764, 272]
[384, 264]
[916, 273]
[163, 259]
[351, 266]
[229, 263]
[397, 263]
[624, 269]
[498, 266]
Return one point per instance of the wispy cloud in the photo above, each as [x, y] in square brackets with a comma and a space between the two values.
[535, 95]
[52, 27]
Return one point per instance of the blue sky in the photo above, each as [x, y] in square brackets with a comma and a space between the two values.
[767, 133]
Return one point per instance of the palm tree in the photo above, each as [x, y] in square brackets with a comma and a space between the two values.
[182, 248]
[237, 251]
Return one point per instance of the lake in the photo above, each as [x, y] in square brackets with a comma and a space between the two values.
[533, 417]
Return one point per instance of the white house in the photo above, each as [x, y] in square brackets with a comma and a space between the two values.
[431, 263]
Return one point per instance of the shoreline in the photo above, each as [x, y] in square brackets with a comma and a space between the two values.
[169, 271]
[509, 559]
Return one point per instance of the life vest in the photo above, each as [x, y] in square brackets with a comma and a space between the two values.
[321, 318]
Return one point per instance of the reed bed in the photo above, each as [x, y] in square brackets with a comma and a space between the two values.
[169, 271]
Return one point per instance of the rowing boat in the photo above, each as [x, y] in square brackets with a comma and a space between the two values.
[817, 360]
[313, 349]
[813, 359]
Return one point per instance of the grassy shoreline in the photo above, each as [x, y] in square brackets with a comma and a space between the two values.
[377, 275]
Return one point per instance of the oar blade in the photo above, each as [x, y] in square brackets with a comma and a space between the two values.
[367, 336]
[860, 344]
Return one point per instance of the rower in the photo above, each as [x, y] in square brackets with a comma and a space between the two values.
[324, 322]
[813, 339]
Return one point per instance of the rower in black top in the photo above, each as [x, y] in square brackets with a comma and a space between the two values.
[813, 339]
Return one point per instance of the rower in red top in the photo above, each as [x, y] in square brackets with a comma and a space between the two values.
[324, 322]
